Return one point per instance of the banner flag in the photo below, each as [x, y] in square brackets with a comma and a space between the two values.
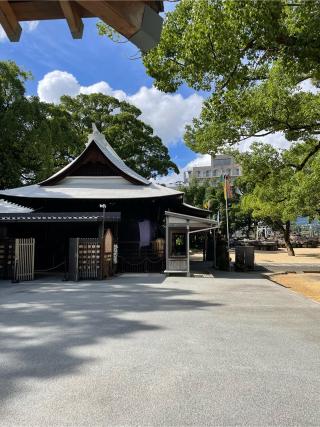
[227, 189]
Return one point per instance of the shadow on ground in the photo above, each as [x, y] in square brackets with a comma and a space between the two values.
[44, 323]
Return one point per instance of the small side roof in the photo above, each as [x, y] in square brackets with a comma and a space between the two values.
[12, 208]
[193, 221]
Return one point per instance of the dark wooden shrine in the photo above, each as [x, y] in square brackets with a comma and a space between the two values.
[94, 195]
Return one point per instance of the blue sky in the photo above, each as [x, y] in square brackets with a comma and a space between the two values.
[62, 64]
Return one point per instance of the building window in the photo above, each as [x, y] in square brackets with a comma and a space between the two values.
[207, 173]
[178, 244]
[222, 162]
[237, 171]
[199, 174]
[215, 172]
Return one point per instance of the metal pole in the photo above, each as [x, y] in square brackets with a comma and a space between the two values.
[227, 216]
[188, 248]
[214, 249]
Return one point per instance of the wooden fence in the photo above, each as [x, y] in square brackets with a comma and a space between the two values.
[84, 258]
[24, 259]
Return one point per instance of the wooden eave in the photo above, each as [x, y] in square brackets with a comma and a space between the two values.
[125, 16]
[60, 217]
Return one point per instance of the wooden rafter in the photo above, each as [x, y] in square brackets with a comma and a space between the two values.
[9, 21]
[74, 21]
[124, 16]
[137, 20]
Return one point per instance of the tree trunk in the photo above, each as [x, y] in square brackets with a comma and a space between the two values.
[286, 235]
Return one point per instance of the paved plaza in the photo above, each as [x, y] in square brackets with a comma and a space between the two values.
[149, 350]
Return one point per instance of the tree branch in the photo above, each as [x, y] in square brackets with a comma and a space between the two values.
[212, 48]
[256, 136]
[308, 157]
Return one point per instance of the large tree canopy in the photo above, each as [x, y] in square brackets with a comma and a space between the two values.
[275, 105]
[119, 121]
[255, 60]
[251, 56]
[226, 43]
[274, 190]
[37, 138]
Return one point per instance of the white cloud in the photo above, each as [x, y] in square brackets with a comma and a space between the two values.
[57, 83]
[27, 26]
[167, 114]
[308, 86]
[199, 160]
[30, 26]
[105, 88]
[277, 139]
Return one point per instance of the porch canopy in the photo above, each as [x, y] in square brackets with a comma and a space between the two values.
[178, 230]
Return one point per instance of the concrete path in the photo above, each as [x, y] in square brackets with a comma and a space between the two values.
[232, 350]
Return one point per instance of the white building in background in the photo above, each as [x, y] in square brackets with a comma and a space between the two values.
[220, 165]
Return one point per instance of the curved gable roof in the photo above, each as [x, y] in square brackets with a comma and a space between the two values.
[98, 139]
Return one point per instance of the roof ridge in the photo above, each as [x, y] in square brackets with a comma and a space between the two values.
[99, 139]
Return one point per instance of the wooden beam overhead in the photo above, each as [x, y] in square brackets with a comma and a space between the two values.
[9, 21]
[124, 16]
[137, 20]
[38, 10]
[74, 21]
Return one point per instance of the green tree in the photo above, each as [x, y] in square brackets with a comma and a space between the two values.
[254, 58]
[119, 121]
[200, 194]
[206, 195]
[251, 56]
[275, 105]
[35, 137]
[274, 190]
[217, 44]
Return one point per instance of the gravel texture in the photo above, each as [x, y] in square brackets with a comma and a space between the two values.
[236, 349]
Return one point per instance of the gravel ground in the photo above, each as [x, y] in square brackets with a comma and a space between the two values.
[148, 350]
[302, 256]
[308, 284]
